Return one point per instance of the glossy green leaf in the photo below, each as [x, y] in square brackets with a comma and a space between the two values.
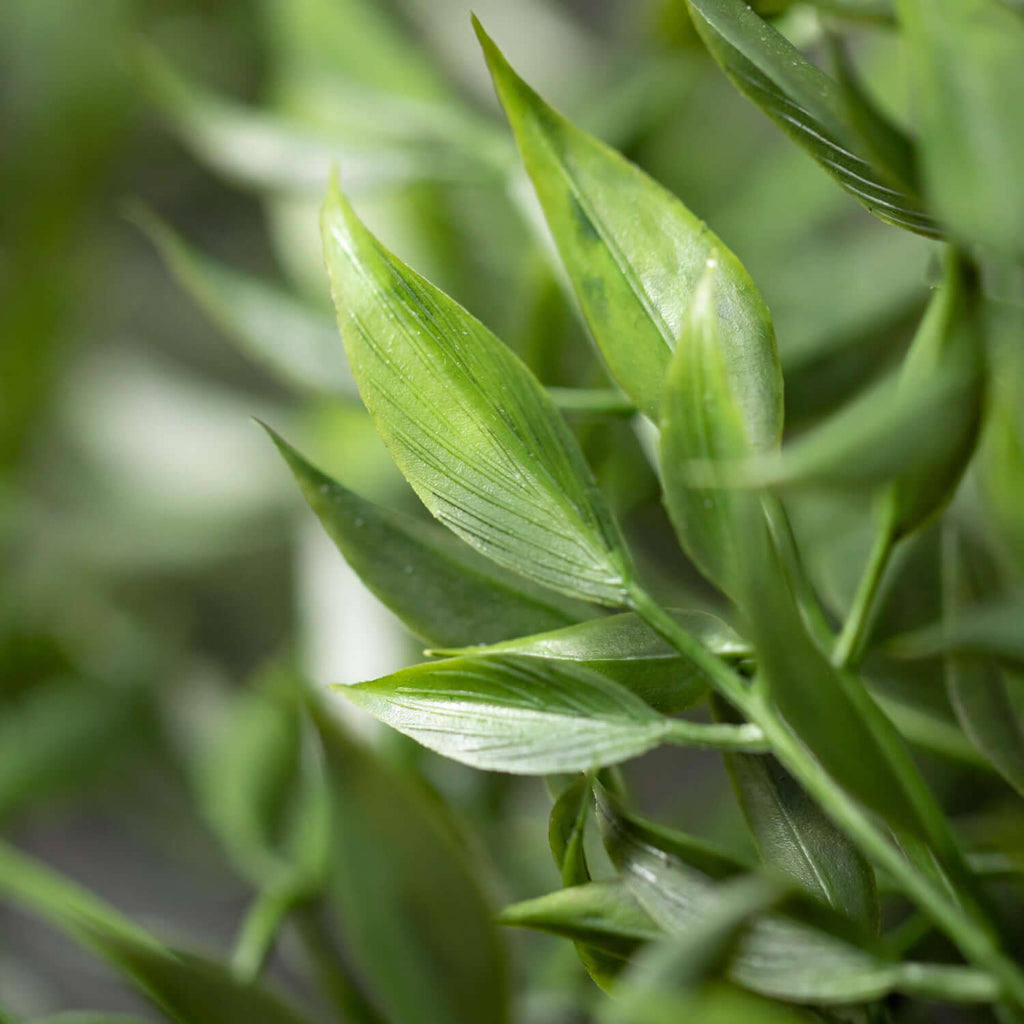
[394, 140]
[977, 689]
[967, 62]
[467, 423]
[293, 341]
[795, 836]
[188, 988]
[624, 648]
[635, 255]
[805, 103]
[411, 906]
[528, 716]
[444, 591]
[703, 420]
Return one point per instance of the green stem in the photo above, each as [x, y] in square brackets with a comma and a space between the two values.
[261, 925]
[951, 983]
[598, 401]
[747, 738]
[974, 941]
[855, 630]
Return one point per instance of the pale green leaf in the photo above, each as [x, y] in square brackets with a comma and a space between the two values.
[805, 103]
[635, 254]
[624, 648]
[439, 587]
[528, 716]
[409, 899]
[467, 423]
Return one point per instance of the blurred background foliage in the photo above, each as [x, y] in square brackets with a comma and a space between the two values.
[164, 588]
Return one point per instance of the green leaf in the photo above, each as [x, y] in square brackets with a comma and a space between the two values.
[777, 956]
[467, 423]
[394, 140]
[439, 587]
[703, 419]
[293, 341]
[806, 104]
[977, 689]
[625, 649]
[966, 59]
[795, 836]
[188, 988]
[410, 903]
[635, 255]
[528, 716]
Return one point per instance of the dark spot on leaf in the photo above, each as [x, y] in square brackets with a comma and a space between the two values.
[584, 225]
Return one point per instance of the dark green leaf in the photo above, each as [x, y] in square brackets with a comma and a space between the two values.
[439, 587]
[292, 340]
[528, 716]
[967, 64]
[635, 255]
[412, 909]
[805, 103]
[188, 988]
[467, 423]
[795, 836]
[624, 648]
[704, 420]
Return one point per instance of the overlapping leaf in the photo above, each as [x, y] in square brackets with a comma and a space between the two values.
[806, 104]
[528, 716]
[467, 423]
[635, 255]
[439, 587]
[624, 648]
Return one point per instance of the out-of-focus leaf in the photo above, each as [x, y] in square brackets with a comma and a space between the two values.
[468, 424]
[528, 716]
[967, 60]
[395, 141]
[412, 908]
[86, 1017]
[56, 734]
[805, 103]
[624, 648]
[444, 591]
[292, 340]
[704, 419]
[635, 255]
[794, 835]
[977, 689]
[716, 1004]
[188, 988]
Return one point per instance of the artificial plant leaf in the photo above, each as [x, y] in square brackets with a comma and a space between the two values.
[703, 420]
[635, 254]
[528, 716]
[977, 689]
[795, 836]
[777, 956]
[806, 104]
[295, 342]
[414, 915]
[467, 423]
[395, 140]
[966, 60]
[624, 648]
[444, 591]
[188, 988]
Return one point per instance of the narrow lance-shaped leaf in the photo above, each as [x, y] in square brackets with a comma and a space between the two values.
[410, 902]
[703, 420]
[967, 66]
[528, 716]
[468, 424]
[977, 689]
[624, 648]
[806, 104]
[635, 255]
[794, 835]
[188, 988]
[444, 591]
[295, 342]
